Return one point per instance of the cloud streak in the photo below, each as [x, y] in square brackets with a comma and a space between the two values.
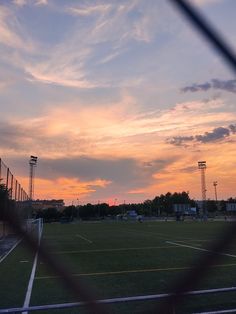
[22, 3]
[216, 134]
[89, 10]
[225, 85]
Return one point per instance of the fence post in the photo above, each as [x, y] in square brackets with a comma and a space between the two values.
[7, 180]
[11, 190]
[16, 192]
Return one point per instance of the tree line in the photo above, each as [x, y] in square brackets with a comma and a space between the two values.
[162, 205]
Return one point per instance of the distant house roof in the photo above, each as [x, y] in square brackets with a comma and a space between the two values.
[42, 204]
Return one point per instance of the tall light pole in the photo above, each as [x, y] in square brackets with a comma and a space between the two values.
[32, 164]
[215, 185]
[202, 168]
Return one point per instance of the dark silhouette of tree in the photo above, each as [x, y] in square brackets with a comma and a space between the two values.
[232, 200]
[49, 214]
[160, 205]
[70, 212]
[4, 200]
[211, 206]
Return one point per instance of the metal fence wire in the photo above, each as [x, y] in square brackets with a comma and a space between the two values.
[17, 196]
[83, 295]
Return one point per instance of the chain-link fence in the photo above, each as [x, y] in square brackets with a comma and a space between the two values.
[12, 189]
[166, 303]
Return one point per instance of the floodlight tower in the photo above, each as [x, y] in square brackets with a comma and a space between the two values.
[32, 164]
[215, 185]
[202, 168]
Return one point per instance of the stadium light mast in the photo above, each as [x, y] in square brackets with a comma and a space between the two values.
[202, 168]
[215, 185]
[32, 164]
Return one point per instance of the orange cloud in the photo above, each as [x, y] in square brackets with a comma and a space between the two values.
[65, 188]
[183, 174]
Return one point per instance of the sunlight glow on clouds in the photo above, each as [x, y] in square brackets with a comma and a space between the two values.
[110, 127]
[65, 188]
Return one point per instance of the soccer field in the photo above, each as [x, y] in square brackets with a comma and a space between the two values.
[121, 259]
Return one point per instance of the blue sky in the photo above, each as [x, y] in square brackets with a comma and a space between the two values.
[118, 99]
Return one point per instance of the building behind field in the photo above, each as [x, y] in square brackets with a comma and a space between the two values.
[231, 207]
[181, 208]
[45, 204]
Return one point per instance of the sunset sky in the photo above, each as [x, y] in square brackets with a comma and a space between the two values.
[118, 99]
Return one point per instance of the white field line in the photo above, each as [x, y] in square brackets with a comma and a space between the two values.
[147, 270]
[58, 236]
[119, 272]
[85, 239]
[14, 246]
[146, 233]
[31, 280]
[178, 238]
[119, 300]
[30, 284]
[163, 236]
[198, 248]
[218, 312]
[114, 250]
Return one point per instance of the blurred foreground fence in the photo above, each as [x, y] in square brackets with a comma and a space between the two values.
[177, 295]
[12, 195]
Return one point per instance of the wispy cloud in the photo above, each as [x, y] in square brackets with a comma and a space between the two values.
[100, 34]
[7, 29]
[67, 77]
[41, 2]
[110, 57]
[123, 22]
[83, 10]
[22, 3]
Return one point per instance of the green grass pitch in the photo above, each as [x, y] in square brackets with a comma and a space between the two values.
[120, 259]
